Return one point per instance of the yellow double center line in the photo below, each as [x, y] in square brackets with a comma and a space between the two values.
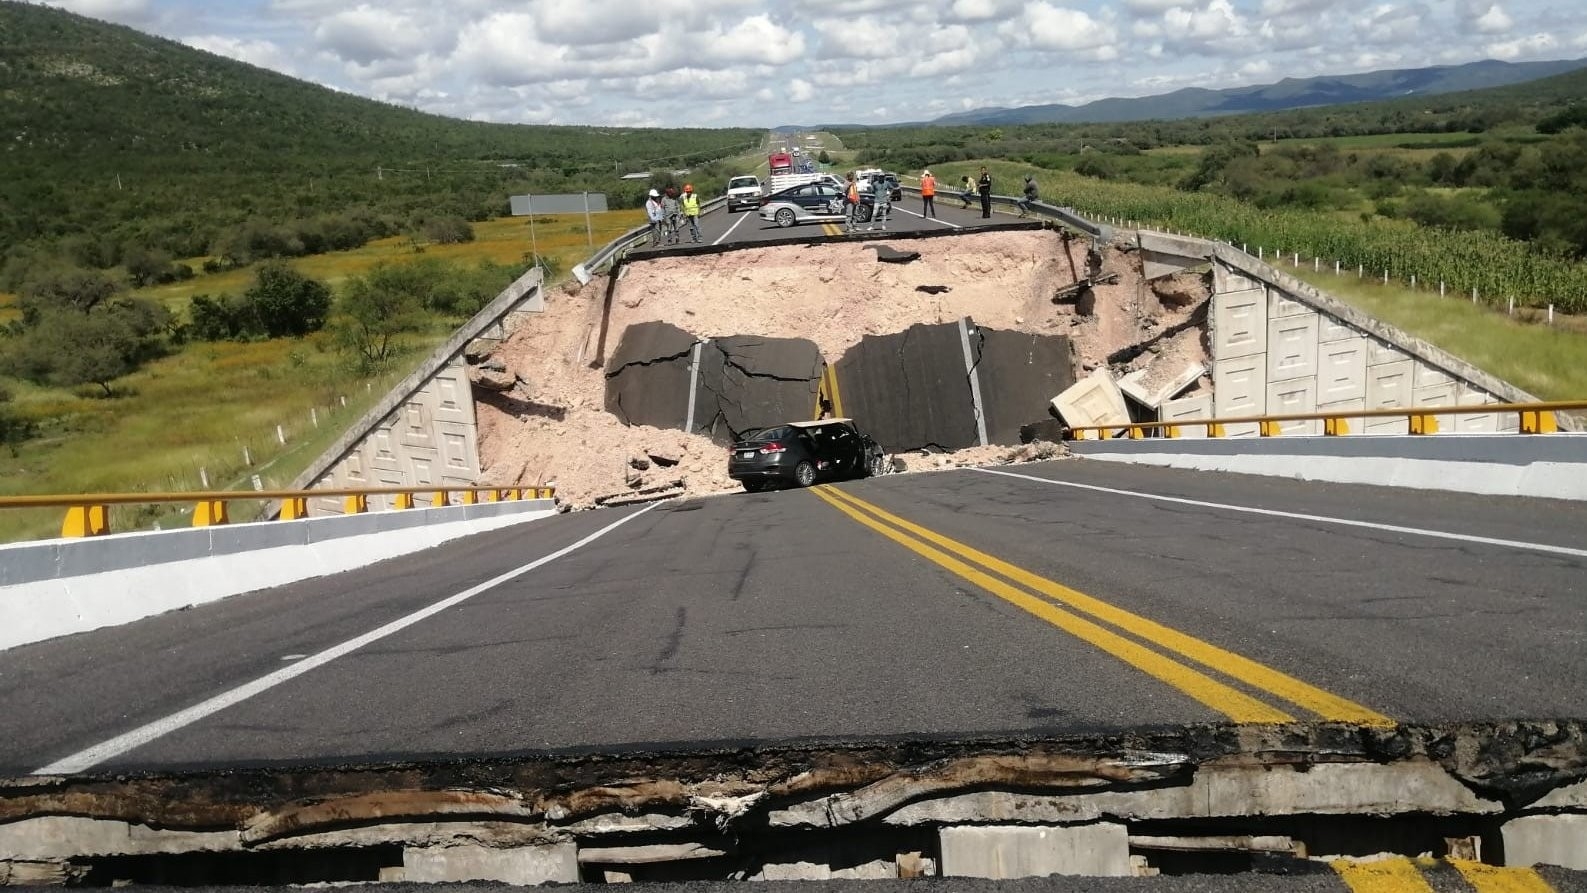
[1069, 610]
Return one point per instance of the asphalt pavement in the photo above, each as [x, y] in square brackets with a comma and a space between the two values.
[1075, 597]
[746, 227]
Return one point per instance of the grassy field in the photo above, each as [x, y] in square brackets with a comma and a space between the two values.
[201, 407]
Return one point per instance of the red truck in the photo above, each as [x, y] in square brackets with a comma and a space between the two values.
[781, 162]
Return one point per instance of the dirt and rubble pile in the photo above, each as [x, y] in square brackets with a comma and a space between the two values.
[550, 425]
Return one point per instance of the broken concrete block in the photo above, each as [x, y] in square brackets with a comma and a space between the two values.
[480, 349]
[1003, 852]
[1150, 389]
[1546, 840]
[663, 458]
[492, 380]
[1050, 430]
[1094, 400]
[888, 255]
[530, 865]
[639, 463]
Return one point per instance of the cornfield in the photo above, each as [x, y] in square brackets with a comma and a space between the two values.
[1498, 268]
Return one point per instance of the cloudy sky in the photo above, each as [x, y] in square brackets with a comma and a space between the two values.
[758, 63]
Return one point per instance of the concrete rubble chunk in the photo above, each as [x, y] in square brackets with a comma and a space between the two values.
[492, 380]
[62, 837]
[1546, 840]
[1148, 388]
[646, 854]
[888, 255]
[527, 866]
[1004, 852]
[1094, 400]
[1571, 796]
[480, 349]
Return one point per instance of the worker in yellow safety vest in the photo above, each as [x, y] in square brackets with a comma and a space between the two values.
[691, 210]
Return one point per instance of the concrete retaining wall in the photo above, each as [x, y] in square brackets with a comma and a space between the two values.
[57, 587]
[1542, 465]
[1280, 346]
[423, 432]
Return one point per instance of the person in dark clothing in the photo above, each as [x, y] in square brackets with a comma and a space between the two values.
[1031, 196]
[984, 186]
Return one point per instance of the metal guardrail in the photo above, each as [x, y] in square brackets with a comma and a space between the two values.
[88, 514]
[1536, 418]
[606, 254]
[1067, 216]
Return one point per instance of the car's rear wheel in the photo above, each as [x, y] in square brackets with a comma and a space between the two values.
[804, 474]
[863, 214]
[877, 466]
[785, 217]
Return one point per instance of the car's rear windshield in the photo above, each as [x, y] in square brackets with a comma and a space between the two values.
[737, 182]
[782, 432]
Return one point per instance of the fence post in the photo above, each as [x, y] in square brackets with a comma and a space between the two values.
[281, 436]
[1551, 314]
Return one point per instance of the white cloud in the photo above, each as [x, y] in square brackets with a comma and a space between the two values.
[366, 34]
[126, 12]
[1536, 45]
[1151, 8]
[1045, 27]
[262, 53]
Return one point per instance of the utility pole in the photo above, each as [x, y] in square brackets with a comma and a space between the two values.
[118, 182]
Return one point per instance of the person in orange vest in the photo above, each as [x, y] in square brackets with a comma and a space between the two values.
[851, 204]
[928, 194]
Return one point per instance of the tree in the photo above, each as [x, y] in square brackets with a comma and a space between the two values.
[70, 289]
[824, 158]
[145, 267]
[283, 303]
[374, 314]
[66, 348]
[448, 230]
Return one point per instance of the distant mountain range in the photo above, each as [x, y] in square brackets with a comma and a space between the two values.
[1290, 93]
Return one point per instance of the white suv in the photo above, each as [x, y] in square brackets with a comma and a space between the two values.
[743, 192]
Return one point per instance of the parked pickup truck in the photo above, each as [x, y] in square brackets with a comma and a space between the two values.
[779, 182]
[743, 192]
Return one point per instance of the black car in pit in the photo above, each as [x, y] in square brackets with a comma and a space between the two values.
[801, 453]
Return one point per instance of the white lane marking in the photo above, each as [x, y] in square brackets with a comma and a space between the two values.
[742, 217]
[1297, 516]
[924, 217]
[287, 657]
[86, 759]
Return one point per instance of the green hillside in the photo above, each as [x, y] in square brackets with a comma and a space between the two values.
[115, 138]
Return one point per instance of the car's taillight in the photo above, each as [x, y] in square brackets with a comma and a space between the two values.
[773, 448]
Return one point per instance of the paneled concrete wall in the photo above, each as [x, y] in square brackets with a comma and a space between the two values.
[1281, 346]
[423, 432]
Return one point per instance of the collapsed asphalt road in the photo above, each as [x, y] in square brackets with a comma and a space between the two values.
[804, 615]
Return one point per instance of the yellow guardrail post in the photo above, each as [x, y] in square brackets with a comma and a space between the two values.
[294, 508]
[356, 504]
[1336, 427]
[470, 497]
[402, 501]
[1422, 423]
[440, 500]
[1535, 421]
[1269, 428]
[1170, 431]
[86, 520]
[1136, 433]
[210, 512]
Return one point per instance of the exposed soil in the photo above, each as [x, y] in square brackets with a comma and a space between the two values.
[552, 427]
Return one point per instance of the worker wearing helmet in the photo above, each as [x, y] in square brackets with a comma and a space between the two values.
[656, 215]
[691, 210]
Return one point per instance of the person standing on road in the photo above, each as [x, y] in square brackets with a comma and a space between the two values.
[672, 213]
[984, 186]
[1031, 196]
[691, 211]
[656, 214]
[928, 194]
[966, 192]
[851, 203]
